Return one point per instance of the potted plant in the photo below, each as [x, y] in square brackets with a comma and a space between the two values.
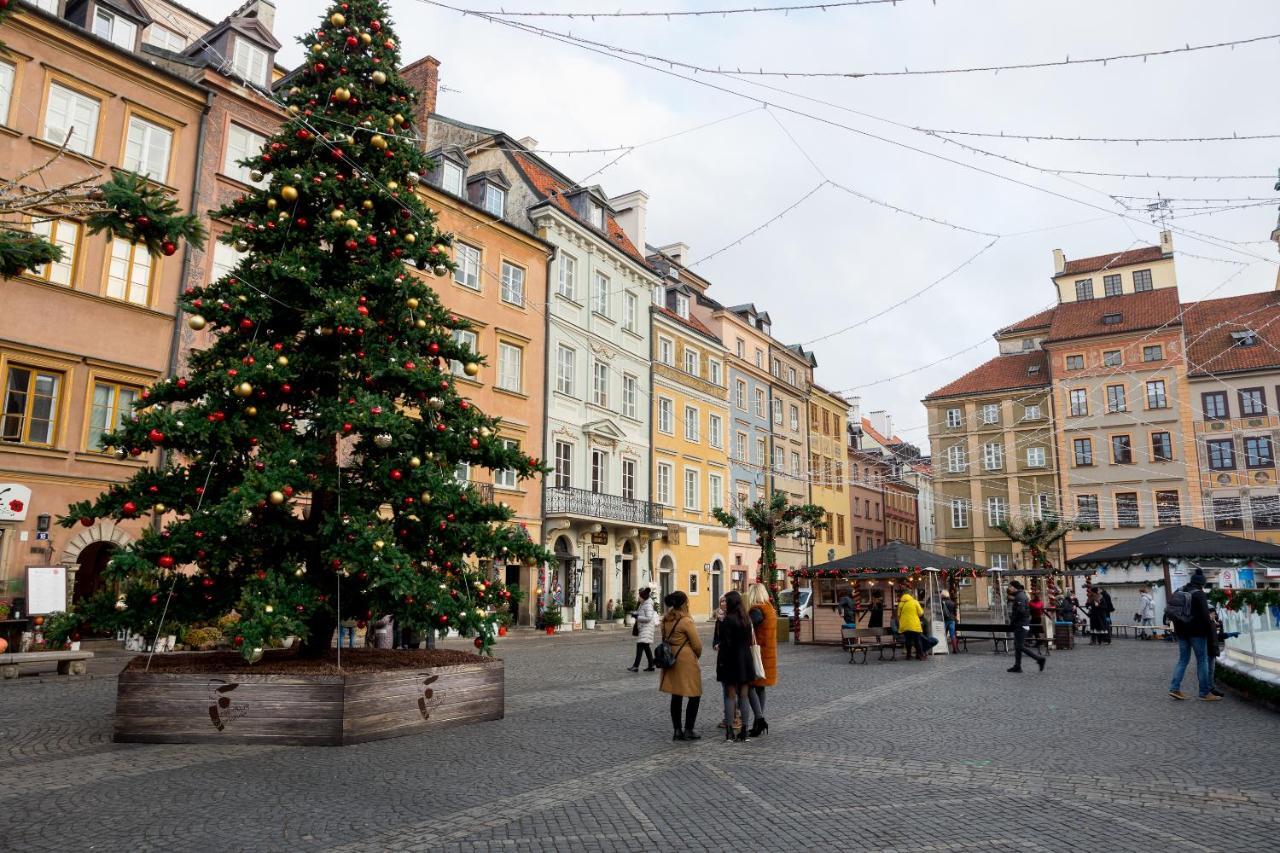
[619, 615]
[630, 604]
[5, 609]
[552, 618]
[589, 616]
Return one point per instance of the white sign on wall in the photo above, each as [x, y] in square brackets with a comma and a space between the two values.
[15, 500]
[46, 590]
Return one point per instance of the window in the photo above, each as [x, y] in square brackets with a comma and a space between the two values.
[129, 272]
[1035, 457]
[1075, 362]
[7, 75]
[1257, 452]
[691, 496]
[991, 413]
[1266, 512]
[1161, 447]
[566, 367]
[630, 312]
[760, 455]
[956, 461]
[567, 283]
[791, 375]
[166, 39]
[72, 118]
[715, 431]
[510, 367]
[1246, 338]
[506, 478]
[1087, 509]
[1115, 398]
[1111, 285]
[1084, 288]
[740, 446]
[959, 514]
[779, 460]
[662, 488]
[741, 348]
[115, 29]
[599, 471]
[65, 235]
[1112, 358]
[691, 360]
[1168, 509]
[495, 199]
[462, 472]
[600, 383]
[1153, 353]
[1112, 319]
[1222, 454]
[1141, 280]
[147, 149]
[467, 259]
[682, 306]
[715, 371]
[777, 412]
[630, 394]
[629, 479]
[740, 394]
[595, 215]
[795, 464]
[250, 61]
[715, 491]
[1079, 402]
[1083, 451]
[955, 417]
[666, 416]
[795, 418]
[30, 405]
[1156, 398]
[1253, 401]
[512, 284]
[1031, 413]
[451, 176]
[666, 351]
[467, 338]
[997, 511]
[50, 6]
[564, 465]
[992, 456]
[1127, 509]
[691, 423]
[758, 402]
[1121, 450]
[1226, 514]
[777, 368]
[760, 358]
[839, 529]
[242, 144]
[600, 295]
[1215, 405]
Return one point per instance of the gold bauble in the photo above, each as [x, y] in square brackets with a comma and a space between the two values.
[336, 214]
[426, 497]
[440, 270]
[299, 572]
[294, 110]
[398, 119]
[158, 508]
[471, 368]
[378, 141]
[379, 545]
[255, 655]
[341, 94]
[379, 77]
[197, 322]
[393, 186]
[349, 139]
[282, 361]
[420, 323]
[269, 609]
[353, 224]
[485, 432]
[338, 19]
[414, 462]
[367, 204]
[244, 389]
[288, 194]
[366, 40]
[271, 204]
[326, 331]
[412, 302]
[317, 47]
[251, 411]
[277, 498]
[411, 237]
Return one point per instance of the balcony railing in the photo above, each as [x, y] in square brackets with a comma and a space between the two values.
[483, 490]
[589, 504]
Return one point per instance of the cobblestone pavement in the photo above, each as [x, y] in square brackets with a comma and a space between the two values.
[952, 754]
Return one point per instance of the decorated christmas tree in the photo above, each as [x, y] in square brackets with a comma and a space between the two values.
[311, 448]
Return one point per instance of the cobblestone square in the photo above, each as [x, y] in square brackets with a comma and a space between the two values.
[950, 754]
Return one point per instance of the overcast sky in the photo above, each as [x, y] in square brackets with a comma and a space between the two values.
[837, 259]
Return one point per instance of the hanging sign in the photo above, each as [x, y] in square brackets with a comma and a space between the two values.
[601, 538]
[15, 500]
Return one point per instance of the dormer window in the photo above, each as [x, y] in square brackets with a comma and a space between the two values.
[50, 6]
[765, 327]
[495, 200]
[451, 176]
[595, 215]
[1246, 338]
[249, 61]
[682, 306]
[1112, 319]
[165, 38]
[115, 29]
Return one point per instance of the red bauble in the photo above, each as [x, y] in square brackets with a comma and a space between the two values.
[352, 245]
[433, 348]
[479, 643]
[443, 618]
[502, 630]
[182, 383]
[475, 442]
[396, 474]
[87, 522]
[155, 599]
[246, 324]
[372, 240]
[129, 508]
[346, 428]
[156, 436]
[168, 247]
[143, 222]
[238, 640]
[165, 562]
[441, 427]
[319, 67]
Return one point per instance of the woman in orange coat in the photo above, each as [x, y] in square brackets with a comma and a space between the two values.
[765, 622]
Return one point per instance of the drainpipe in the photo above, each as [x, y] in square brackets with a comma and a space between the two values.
[547, 375]
[651, 473]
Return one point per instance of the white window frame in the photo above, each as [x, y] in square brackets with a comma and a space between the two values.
[566, 370]
[506, 478]
[991, 413]
[630, 396]
[628, 478]
[630, 311]
[665, 473]
[510, 367]
[666, 416]
[8, 75]
[997, 511]
[959, 514]
[692, 424]
[666, 351]
[148, 149]
[715, 431]
[740, 446]
[164, 38]
[250, 61]
[1031, 413]
[79, 113]
[957, 459]
[116, 29]
[599, 471]
[242, 143]
[955, 417]
[495, 200]
[692, 489]
[469, 338]
[600, 294]
[682, 306]
[795, 464]
[740, 394]
[791, 377]
[777, 412]
[794, 413]
[692, 363]
[1036, 457]
[123, 283]
[992, 456]
[567, 282]
[715, 371]
[452, 177]
[563, 472]
[757, 402]
[600, 383]
[715, 491]
[512, 289]
[467, 260]
[779, 461]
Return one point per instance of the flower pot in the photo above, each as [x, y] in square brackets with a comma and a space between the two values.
[75, 645]
[589, 624]
[627, 620]
[551, 629]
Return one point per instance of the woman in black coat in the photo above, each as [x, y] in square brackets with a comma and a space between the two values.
[734, 667]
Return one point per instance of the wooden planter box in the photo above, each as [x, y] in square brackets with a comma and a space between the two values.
[314, 710]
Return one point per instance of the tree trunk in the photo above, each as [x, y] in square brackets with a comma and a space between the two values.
[320, 628]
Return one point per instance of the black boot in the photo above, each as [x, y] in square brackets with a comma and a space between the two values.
[760, 727]
[679, 735]
[690, 734]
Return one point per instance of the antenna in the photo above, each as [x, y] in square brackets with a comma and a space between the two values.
[1159, 213]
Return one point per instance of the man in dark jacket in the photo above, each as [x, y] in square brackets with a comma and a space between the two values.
[1193, 635]
[1020, 620]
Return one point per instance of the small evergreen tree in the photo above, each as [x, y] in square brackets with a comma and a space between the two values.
[771, 520]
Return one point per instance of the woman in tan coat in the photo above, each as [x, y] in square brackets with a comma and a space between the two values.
[685, 678]
[764, 622]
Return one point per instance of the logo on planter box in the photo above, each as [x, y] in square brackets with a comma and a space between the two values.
[15, 501]
[222, 712]
[430, 699]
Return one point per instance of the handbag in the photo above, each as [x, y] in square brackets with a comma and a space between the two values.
[635, 629]
[757, 662]
[663, 656]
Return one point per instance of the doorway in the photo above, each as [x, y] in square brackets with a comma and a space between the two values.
[717, 583]
[666, 575]
[563, 580]
[597, 584]
[93, 562]
[628, 566]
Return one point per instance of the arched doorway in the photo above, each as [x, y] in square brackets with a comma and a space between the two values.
[717, 582]
[562, 582]
[628, 569]
[666, 575]
[92, 563]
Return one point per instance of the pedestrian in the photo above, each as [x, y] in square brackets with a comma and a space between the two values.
[646, 622]
[909, 613]
[1146, 615]
[735, 669]
[1107, 609]
[875, 619]
[949, 614]
[384, 631]
[847, 608]
[1037, 607]
[1097, 617]
[1217, 642]
[715, 634]
[684, 679]
[1020, 621]
[1188, 610]
[347, 628]
[764, 622]
[1066, 616]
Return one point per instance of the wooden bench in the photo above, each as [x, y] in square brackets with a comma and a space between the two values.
[1000, 635]
[69, 663]
[857, 641]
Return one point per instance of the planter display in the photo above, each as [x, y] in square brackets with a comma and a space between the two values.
[202, 698]
[551, 629]
[589, 624]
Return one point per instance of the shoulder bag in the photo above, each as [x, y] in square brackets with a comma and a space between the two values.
[756, 660]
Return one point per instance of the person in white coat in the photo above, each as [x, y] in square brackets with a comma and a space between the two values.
[1146, 613]
[646, 624]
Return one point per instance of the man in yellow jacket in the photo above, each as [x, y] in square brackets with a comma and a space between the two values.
[909, 612]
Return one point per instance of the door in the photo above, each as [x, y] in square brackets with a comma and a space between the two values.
[597, 583]
[717, 583]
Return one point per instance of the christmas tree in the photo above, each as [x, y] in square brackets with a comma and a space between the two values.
[311, 449]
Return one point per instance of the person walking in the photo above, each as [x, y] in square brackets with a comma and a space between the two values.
[875, 616]
[684, 679]
[1020, 621]
[847, 608]
[734, 668]
[1146, 614]
[646, 622]
[1107, 609]
[949, 620]
[764, 622]
[909, 613]
[1097, 617]
[1188, 610]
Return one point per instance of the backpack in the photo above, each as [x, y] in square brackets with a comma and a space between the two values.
[1178, 610]
[663, 656]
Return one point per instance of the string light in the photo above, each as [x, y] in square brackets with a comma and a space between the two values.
[687, 13]
[1135, 140]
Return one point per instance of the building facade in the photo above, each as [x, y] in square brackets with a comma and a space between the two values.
[827, 460]
[867, 473]
[791, 371]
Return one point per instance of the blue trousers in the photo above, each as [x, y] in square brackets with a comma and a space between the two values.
[349, 633]
[1200, 646]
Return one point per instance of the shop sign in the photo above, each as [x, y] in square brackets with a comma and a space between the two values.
[15, 500]
[601, 538]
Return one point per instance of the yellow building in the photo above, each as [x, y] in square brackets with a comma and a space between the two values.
[690, 446]
[827, 414]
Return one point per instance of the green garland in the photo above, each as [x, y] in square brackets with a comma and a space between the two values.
[1257, 600]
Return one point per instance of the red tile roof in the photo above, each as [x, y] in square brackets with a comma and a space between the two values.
[868, 429]
[1002, 373]
[1035, 321]
[1145, 255]
[1209, 324]
[1138, 312]
[553, 189]
[693, 322]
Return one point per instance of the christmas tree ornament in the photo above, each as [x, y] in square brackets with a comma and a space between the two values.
[412, 179]
[440, 270]
[379, 77]
[195, 321]
[471, 368]
[244, 389]
[276, 497]
[382, 440]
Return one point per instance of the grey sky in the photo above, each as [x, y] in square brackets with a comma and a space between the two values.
[837, 259]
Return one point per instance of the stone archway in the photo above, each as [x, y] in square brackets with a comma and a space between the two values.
[88, 550]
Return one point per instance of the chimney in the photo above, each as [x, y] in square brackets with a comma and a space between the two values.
[423, 77]
[1059, 262]
[678, 252]
[882, 422]
[529, 142]
[263, 10]
[855, 410]
[1166, 243]
[630, 214]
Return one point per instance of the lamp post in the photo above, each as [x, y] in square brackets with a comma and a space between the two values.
[807, 537]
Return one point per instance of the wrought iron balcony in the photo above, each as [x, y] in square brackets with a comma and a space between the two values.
[588, 504]
[484, 491]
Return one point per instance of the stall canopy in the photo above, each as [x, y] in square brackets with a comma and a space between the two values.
[892, 560]
[1178, 543]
